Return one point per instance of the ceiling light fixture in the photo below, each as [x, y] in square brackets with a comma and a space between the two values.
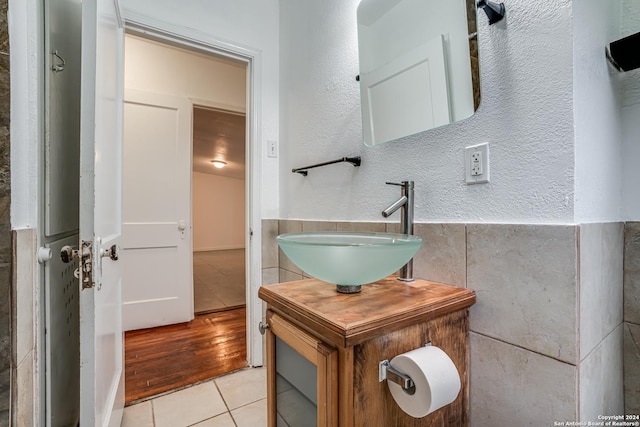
[219, 163]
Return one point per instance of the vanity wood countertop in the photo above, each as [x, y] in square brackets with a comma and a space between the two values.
[346, 320]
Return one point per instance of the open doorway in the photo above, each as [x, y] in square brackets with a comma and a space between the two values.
[219, 255]
[193, 110]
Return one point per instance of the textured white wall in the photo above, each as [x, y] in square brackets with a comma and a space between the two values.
[218, 212]
[598, 144]
[526, 114]
[246, 23]
[630, 92]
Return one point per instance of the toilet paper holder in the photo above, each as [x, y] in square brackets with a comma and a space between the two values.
[389, 373]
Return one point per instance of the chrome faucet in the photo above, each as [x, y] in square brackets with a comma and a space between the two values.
[406, 221]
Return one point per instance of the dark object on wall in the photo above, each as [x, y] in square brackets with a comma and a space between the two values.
[624, 54]
[355, 161]
[495, 11]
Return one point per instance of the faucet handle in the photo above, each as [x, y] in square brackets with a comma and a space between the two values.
[403, 184]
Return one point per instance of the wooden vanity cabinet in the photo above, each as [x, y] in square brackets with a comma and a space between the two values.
[318, 354]
[345, 336]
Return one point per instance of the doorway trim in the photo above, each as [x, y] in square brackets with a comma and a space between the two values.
[195, 40]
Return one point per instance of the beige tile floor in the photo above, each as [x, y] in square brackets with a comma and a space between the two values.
[218, 279]
[234, 400]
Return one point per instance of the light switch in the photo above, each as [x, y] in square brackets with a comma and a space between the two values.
[272, 149]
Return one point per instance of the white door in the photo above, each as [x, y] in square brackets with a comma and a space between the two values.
[158, 270]
[101, 336]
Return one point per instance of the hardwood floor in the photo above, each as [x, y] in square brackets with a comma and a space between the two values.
[161, 359]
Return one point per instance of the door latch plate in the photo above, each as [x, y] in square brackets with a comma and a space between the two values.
[85, 271]
[87, 265]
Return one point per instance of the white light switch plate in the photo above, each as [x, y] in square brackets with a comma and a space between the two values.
[272, 149]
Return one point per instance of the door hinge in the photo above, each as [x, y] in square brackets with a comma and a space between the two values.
[251, 234]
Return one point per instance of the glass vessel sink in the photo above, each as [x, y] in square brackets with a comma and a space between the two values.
[349, 259]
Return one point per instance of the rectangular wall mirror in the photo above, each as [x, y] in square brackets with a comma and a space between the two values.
[418, 66]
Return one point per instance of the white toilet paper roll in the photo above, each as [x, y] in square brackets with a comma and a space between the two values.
[435, 377]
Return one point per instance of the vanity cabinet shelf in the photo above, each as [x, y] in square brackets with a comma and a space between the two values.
[345, 336]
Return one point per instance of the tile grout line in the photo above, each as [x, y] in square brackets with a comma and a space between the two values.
[215, 383]
[153, 413]
[229, 410]
[523, 348]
